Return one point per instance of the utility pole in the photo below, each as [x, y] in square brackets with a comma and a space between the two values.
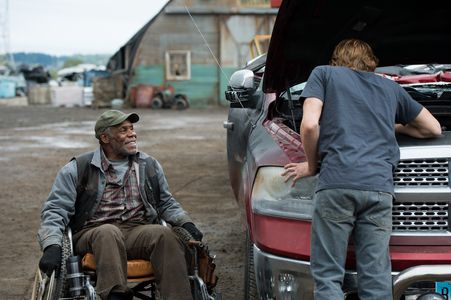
[4, 32]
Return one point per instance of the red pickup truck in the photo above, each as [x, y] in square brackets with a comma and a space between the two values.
[412, 41]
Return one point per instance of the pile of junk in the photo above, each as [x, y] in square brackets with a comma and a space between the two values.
[16, 81]
[156, 97]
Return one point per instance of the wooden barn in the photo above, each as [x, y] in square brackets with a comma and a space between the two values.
[192, 47]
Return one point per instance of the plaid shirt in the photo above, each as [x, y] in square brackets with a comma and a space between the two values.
[121, 201]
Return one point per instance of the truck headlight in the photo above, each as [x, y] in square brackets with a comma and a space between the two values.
[274, 197]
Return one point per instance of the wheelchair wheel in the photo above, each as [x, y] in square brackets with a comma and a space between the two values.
[44, 287]
[199, 289]
[183, 234]
[53, 287]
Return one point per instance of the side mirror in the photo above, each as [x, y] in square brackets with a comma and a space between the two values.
[240, 87]
[242, 79]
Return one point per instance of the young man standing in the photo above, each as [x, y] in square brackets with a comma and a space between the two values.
[350, 116]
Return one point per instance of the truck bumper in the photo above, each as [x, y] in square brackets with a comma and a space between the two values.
[404, 279]
[283, 278]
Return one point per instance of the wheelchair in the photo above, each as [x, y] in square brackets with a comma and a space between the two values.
[77, 277]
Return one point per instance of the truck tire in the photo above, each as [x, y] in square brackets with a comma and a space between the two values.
[250, 288]
[157, 102]
[181, 102]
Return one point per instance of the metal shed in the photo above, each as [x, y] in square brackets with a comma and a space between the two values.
[194, 46]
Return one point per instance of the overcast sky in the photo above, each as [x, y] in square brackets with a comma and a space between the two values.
[65, 27]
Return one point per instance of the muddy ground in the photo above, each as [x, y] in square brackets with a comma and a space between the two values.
[36, 141]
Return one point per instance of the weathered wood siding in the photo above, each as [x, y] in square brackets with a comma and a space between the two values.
[227, 38]
[177, 32]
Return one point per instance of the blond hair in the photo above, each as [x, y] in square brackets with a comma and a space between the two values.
[355, 54]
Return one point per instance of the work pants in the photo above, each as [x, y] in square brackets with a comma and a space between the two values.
[367, 215]
[113, 244]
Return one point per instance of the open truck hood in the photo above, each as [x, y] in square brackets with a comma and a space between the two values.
[306, 32]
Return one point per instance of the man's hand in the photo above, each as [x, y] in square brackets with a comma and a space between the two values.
[296, 171]
[50, 260]
[192, 229]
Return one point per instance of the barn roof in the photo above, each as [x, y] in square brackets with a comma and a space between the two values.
[117, 61]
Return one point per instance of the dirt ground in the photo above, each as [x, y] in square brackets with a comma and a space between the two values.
[36, 141]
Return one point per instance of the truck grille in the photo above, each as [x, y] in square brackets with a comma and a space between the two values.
[422, 172]
[420, 216]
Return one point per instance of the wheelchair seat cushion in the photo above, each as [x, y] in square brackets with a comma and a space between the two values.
[136, 268]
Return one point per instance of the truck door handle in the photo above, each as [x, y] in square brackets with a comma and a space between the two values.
[227, 125]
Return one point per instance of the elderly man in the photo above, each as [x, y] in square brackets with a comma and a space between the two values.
[113, 199]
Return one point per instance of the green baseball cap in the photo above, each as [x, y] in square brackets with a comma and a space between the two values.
[112, 118]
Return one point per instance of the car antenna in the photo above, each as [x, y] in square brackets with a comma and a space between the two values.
[206, 43]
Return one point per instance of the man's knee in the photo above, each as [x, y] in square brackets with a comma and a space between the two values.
[170, 238]
[151, 241]
[108, 232]
[161, 236]
[156, 232]
[164, 231]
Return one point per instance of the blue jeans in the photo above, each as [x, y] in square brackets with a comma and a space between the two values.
[338, 214]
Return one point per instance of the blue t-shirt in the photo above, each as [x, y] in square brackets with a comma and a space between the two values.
[357, 142]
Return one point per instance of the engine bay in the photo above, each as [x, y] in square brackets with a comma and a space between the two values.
[430, 85]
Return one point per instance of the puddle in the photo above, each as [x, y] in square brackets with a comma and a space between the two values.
[55, 142]
[86, 127]
[45, 142]
[184, 137]
[58, 135]
[179, 122]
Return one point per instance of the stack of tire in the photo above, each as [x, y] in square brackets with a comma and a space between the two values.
[167, 99]
[157, 97]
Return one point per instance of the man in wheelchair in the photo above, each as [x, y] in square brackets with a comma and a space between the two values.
[114, 200]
